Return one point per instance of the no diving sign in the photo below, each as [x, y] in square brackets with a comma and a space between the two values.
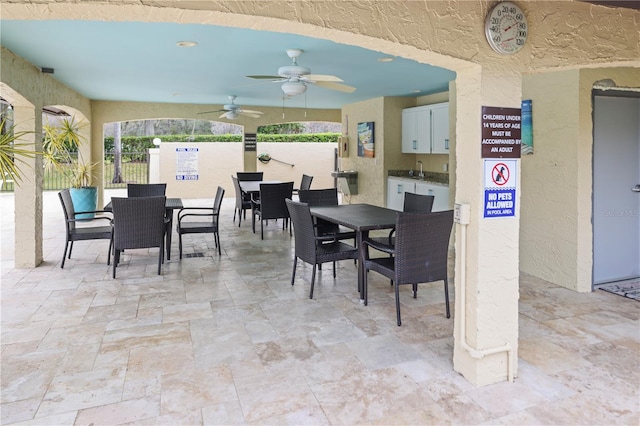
[500, 188]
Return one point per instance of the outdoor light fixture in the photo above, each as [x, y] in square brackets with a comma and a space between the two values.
[293, 88]
[156, 141]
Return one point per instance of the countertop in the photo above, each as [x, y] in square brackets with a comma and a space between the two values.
[429, 177]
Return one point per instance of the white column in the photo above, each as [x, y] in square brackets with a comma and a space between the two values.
[486, 277]
[28, 192]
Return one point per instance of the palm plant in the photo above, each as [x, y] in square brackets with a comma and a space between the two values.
[12, 152]
[60, 142]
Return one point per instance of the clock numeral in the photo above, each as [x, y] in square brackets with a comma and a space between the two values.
[522, 34]
[520, 41]
[497, 39]
[495, 21]
[522, 26]
[519, 16]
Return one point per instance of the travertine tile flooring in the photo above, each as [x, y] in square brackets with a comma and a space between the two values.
[227, 340]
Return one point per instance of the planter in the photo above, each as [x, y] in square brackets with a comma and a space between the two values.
[85, 199]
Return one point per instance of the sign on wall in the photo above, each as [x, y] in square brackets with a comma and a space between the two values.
[500, 188]
[501, 132]
[250, 141]
[186, 163]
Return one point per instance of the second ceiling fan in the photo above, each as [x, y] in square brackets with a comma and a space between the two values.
[295, 77]
[232, 111]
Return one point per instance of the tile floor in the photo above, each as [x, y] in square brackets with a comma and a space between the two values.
[228, 340]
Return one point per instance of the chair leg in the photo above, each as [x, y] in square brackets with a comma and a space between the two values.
[70, 249]
[334, 269]
[365, 286]
[313, 281]
[216, 236]
[397, 288]
[293, 274]
[261, 229]
[415, 290]
[446, 296]
[109, 252]
[64, 255]
[234, 213]
[161, 257]
[180, 243]
[116, 255]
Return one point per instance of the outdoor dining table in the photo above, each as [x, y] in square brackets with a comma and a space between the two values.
[253, 186]
[170, 205]
[362, 218]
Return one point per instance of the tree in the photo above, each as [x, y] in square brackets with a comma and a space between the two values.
[117, 153]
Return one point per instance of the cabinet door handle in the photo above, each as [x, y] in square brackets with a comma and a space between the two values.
[446, 144]
[415, 144]
[399, 188]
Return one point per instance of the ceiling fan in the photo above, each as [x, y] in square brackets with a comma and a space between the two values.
[295, 78]
[232, 111]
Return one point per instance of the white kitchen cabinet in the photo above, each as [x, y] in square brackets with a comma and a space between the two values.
[398, 186]
[416, 130]
[440, 128]
[440, 193]
[425, 129]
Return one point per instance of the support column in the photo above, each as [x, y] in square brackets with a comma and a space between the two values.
[250, 162]
[486, 250]
[28, 192]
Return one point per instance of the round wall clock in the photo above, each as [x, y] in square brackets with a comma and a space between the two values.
[506, 28]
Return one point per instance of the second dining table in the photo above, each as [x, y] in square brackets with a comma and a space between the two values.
[362, 218]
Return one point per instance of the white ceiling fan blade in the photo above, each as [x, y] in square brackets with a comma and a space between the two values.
[210, 112]
[265, 77]
[336, 86]
[224, 115]
[250, 114]
[322, 77]
[250, 111]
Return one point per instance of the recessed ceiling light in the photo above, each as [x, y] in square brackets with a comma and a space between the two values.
[386, 59]
[186, 43]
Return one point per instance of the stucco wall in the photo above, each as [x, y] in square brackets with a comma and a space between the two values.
[371, 172]
[555, 231]
[313, 159]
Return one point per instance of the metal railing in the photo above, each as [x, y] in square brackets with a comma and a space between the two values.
[134, 169]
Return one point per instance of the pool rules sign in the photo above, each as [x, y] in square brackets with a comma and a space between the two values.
[500, 188]
[501, 140]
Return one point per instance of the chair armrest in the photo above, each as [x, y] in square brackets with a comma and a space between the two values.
[91, 219]
[190, 211]
[381, 247]
[393, 231]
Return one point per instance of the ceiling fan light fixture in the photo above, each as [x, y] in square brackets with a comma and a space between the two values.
[293, 88]
[186, 43]
[232, 115]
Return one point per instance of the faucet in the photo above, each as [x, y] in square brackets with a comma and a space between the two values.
[421, 174]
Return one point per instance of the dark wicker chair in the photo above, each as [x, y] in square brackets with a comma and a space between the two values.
[271, 205]
[83, 233]
[419, 256]
[138, 222]
[325, 197]
[305, 184]
[186, 224]
[243, 202]
[413, 203]
[311, 248]
[250, 176]
[146, 189]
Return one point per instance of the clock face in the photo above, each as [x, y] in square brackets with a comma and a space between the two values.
[506, 28]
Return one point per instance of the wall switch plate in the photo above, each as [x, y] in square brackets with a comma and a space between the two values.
[445, 167]
[461, 213]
